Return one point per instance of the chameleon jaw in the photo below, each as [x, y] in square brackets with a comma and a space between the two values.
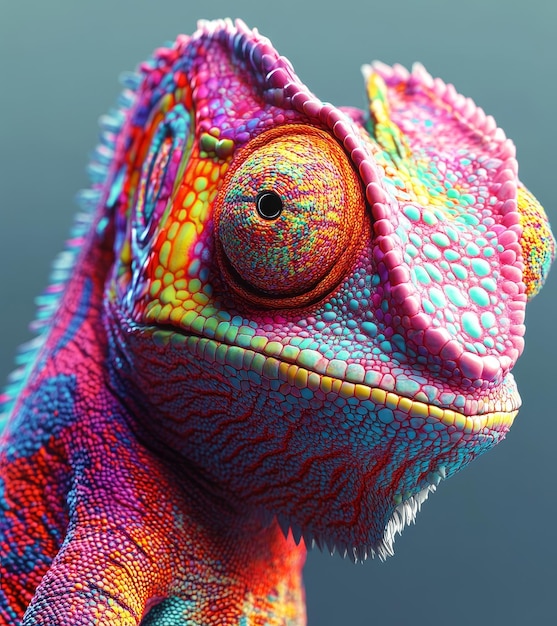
[396, 502]
[273, 368]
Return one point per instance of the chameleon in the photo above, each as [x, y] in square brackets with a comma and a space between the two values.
[277, 323]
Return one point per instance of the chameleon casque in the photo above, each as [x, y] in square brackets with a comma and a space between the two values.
[277, 322]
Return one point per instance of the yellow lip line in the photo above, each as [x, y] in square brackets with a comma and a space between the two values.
[391, 400]
[468, 424]
[215, 351]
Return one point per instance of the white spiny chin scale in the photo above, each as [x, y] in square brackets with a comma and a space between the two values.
[404, 514]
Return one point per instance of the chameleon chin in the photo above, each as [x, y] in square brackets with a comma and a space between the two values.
[276, 323]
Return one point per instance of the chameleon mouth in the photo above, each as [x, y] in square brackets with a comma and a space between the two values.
[470, 424]
[284, 369]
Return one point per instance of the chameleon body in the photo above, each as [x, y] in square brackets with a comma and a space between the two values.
[277, 322]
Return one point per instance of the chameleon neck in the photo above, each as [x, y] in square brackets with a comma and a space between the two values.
[175, 545]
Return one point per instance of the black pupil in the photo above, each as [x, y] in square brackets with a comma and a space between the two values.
[269, 205]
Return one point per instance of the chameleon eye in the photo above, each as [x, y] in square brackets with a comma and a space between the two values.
[289, 217]
[269, 205]
[158, 175]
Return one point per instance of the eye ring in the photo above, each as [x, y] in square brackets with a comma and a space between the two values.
[269, 205]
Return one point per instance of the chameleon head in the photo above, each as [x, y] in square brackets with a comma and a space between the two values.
[331, 300]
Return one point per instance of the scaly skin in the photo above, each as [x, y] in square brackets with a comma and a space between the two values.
[273, 313]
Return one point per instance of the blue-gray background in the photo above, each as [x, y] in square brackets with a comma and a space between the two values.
[483, 551]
